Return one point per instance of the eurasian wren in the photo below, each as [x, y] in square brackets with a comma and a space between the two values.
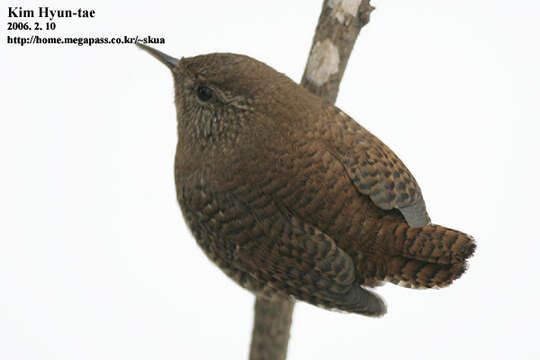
[289, 196]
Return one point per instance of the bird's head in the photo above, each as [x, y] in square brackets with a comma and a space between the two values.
[217, 94]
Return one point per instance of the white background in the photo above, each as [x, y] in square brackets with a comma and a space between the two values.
[97, 263]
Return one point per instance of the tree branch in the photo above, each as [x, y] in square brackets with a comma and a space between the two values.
[338, 27]
[271, 328]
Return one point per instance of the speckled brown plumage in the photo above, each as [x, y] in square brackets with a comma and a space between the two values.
[291, 197]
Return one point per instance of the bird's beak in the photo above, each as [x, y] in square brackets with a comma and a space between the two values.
[164, 58]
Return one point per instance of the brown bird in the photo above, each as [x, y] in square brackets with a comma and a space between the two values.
[289, 196]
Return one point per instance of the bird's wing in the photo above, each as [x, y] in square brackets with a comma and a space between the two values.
[302, 261]
[373, 168]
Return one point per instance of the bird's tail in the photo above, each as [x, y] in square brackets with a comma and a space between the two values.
[423, 257]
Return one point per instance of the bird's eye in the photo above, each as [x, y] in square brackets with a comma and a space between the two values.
[204, 93]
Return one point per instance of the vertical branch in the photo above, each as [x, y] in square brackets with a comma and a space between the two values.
[338, 27]
[271, 328]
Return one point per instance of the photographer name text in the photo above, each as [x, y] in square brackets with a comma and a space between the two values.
[47, 13]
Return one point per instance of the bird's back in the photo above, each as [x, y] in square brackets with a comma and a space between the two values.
[343, 180]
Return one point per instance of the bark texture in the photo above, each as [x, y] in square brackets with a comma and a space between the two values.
[270, 335]
[339, 24]
[339, 28]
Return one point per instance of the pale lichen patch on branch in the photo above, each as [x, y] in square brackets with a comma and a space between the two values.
[341, 8]
[323, 62]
